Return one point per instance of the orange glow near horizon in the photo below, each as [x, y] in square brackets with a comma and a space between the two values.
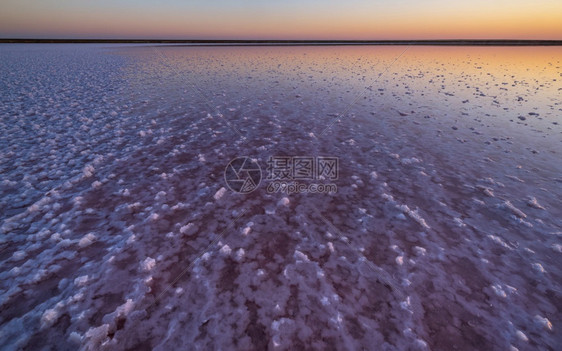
[362, 23]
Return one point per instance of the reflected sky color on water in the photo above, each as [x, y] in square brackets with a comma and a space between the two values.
[119, 230]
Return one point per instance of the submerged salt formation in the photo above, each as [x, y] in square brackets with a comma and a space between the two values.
[119, 232]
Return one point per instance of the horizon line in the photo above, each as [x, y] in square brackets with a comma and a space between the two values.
[226, 42]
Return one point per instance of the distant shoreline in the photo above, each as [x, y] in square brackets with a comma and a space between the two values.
[456, 42]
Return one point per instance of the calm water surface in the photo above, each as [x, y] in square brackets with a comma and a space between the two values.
[119, 230]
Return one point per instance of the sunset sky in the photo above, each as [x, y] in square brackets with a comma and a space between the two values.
[290, 19]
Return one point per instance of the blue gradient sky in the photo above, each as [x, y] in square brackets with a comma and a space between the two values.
[291, 19]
